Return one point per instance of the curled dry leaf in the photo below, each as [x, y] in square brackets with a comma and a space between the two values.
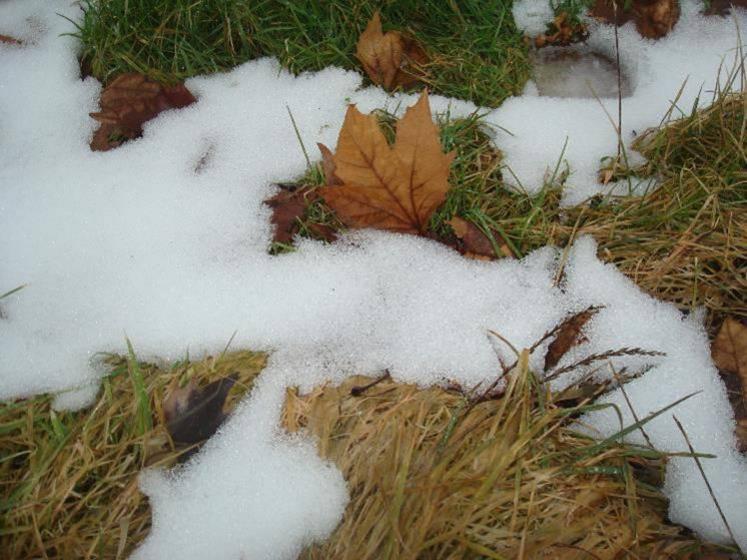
[568, 335]
[396, 188]
[194, 414]
[729, 353]
[129, 101]
[390, 59]
[475, 244]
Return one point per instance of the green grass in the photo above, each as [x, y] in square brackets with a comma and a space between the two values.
[476, 51]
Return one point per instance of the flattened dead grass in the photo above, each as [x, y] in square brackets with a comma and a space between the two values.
[431, 478]
[68, 480]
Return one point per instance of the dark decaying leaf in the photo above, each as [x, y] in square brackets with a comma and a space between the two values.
[475, 244]
[194, 414]
[729, 353]
[288, 208]
[568, 335]
[129, 101]
[10, 40]
[653, 18]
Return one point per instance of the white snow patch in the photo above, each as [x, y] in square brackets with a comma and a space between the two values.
[165, 239]
[535, 133]
[533, 16]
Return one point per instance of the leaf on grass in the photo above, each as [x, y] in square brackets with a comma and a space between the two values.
[396, 188]
[129, 101]
[288, 208]
[568, 335]
[653, 18]
[474, 243]
[194, 414]
[390, 59]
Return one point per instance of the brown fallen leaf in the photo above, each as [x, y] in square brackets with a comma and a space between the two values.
[390, 59]
[396, 188]
[194, 414]
[288, 208]
[328, 166]
[729, 353]
[474, 243]
[564, 32]
[653, 18]
[129, 101]
[10, 40]
[567, 336]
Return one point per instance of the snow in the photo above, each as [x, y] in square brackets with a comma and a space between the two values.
[533, 16]
[532, 131]
[164, 240]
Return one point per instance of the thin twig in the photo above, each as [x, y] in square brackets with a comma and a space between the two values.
[603, 356]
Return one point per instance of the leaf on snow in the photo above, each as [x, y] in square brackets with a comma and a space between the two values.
[729, 353]
[568, 335]
[397, 187]
[10, 40]
[390, 59]
[129, 101]
[194, 414]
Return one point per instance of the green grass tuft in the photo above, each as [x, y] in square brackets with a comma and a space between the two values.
[476, 51]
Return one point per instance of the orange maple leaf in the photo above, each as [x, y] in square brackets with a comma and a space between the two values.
[397, 187]
[390, 59]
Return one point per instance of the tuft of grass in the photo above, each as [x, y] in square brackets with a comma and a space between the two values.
[508, 478]
[68, 480]
[476, 51]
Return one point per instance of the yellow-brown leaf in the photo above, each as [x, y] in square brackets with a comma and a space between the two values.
[390, 59]
[393, 188]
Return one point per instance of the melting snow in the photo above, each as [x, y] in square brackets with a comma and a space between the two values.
[165, 239]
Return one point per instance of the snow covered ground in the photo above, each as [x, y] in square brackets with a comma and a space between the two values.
[145, 242]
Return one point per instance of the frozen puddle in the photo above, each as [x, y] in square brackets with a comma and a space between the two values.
[578, 72]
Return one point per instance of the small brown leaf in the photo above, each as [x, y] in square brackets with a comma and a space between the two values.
[653, 18]
[194, 414]
[288, 207]
[390, 59]
[10, 40]
[474, 243]
[729, 351]
[568, 335]
[129, 101]
[395, 188]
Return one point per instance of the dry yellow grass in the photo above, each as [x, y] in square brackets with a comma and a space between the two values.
[509, 478]
[68, 481]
